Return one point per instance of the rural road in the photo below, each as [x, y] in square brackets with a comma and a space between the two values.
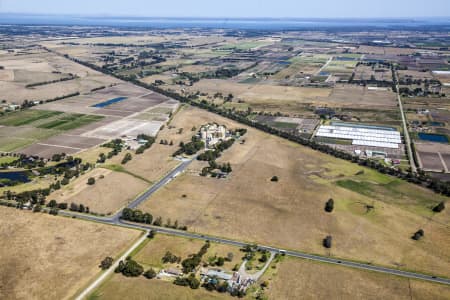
[243, 271]
[105, 274]
[115, 220]
[406, 132]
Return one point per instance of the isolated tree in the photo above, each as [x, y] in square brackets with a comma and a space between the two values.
[440, 207]
[327, 241]
[274, 179]
[418, 235]
[106, 263]
[91, 181]
[229, 257]
[329, 206]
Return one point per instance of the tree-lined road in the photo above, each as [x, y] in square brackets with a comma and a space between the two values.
[405, 130]
[116, 220]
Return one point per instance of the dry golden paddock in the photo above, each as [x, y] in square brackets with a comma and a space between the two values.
[303, 279]
[111, 191]
[48, 257]
[290, 213]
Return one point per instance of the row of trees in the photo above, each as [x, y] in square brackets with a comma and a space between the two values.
[136, 215]
[70, 77]
[189, 264]
[419, 178]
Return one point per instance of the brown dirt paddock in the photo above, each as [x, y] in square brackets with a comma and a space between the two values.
[429, 155]
[302, 279]
[430, 161]
[107, 195]
[47, 151]
[69, 144]
[47, 257]
[290, 214]
[157, 161]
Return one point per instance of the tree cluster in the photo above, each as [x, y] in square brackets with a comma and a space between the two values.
[136, 215]
[129, 268]
[190, 281]
[126, 158]
[189, 264]
[190, 148]
[169, 257]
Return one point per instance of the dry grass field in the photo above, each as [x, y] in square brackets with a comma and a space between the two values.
[302, 279]
[104, 196]
[120, 287]
[383, 50]
[41, 66]
[47, 257]
[151, 254]
[292, 99]
[261, 93]
[290, 213]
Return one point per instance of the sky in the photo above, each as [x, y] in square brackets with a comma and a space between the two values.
[235, 8]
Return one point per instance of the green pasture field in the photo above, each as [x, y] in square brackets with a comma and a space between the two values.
[26, 117]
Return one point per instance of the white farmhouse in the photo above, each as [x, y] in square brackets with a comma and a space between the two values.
[211, 134]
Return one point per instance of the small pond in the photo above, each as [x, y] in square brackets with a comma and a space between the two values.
[20, 176]
[431, 137]
[109, 102]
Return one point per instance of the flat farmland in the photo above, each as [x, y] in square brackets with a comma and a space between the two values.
[285, 98]
[131, 127]
[158, 161]
[151, 254]
[53, 257]
[39, 66]
[14, 138]
[383, 50]
[360, 97]
[78, 125]
[433, 156]
[290, 213]
[430, 161]
[102, 197]
[265, 97]
[302, 279]
[120, 287]
[40, 132]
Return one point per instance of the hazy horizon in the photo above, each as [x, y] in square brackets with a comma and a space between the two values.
[284, 9]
